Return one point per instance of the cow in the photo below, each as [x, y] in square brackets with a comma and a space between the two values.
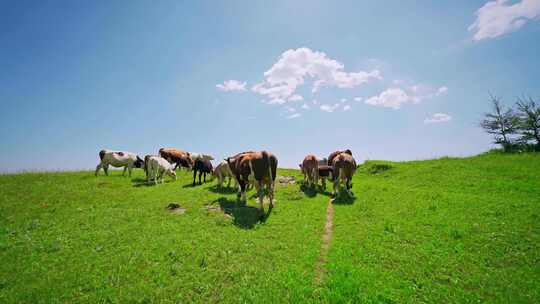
[223, 171]
[203, 167]
[334, 154]
[323, 162]
[117, 159]
[232, 163]
[324, 173]
[344, 167]
[145, 167]
[201, 156]
[310, 169]
[263, 166]
[156, 167]
[177, 157]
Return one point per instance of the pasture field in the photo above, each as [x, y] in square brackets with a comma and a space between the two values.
[437, 231]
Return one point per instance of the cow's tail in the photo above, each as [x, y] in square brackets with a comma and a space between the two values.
[102, 154]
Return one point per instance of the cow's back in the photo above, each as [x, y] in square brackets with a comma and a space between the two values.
[345, 163]
[264, 165]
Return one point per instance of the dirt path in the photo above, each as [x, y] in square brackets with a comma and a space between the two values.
[320, 268]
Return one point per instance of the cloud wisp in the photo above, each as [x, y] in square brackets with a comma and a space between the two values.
[438, 118]
[232, 85]
[500, 17]
[396, 97]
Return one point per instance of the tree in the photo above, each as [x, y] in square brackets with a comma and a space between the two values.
[528, 112]
[502, 123]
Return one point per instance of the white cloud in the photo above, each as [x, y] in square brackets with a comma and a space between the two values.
[358, 99]
[343, 100]
[294, 65]
[391, 98]
[438, 118]
[290, 109]
[395, 97]
[441, 91]
[305, 106]
[232, 85]
[277, 101]
[346, 108]
[500, 17]
[329, 108]
[295, 97]
[295, 115]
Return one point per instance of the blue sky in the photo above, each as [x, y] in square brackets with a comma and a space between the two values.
[392, 80]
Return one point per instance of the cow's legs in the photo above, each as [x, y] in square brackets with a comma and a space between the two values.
[98, 167]
[129, 170]
[336, 186]
[194, 176]
[200, 174]
[271, 194]
[258, 187]
[106, 169]
[124, 172]
[323, 181]
[204, 174]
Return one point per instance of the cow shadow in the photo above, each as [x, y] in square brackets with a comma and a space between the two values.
[143, 183]
[343, 198]
[222, 190]
[309, 191]
[312, 191]
[138, 180]
[245, 217]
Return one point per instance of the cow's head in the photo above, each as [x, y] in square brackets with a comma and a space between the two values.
[171, 173]
[348, 152]
[139, 163]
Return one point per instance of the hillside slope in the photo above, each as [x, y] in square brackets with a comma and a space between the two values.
[445, 230]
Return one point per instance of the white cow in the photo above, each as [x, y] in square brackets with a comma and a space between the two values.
[221, 172]
[158, 166]
[195, 156]
[118, 159]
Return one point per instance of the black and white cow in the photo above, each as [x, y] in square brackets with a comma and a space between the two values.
[118, 159]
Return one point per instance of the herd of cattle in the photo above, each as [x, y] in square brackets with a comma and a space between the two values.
[245, 169]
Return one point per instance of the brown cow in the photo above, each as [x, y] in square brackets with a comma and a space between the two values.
[309, 168]
[324, 173]
[334, 154]
[263, 167]
[344, 167]
[177, 157]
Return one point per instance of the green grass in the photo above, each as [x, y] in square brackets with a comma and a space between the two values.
[437, 231]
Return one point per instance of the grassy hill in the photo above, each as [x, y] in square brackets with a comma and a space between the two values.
[445, 230]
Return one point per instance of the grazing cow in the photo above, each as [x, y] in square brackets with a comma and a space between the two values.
[263, 167]
[344, 167]
[334, 154]
[156, 167]
[309, 168]
[203, 167]
[324, 173]
[200, 156]
[223, 171]
[322, 162]
[118, 159]
[177, 157]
